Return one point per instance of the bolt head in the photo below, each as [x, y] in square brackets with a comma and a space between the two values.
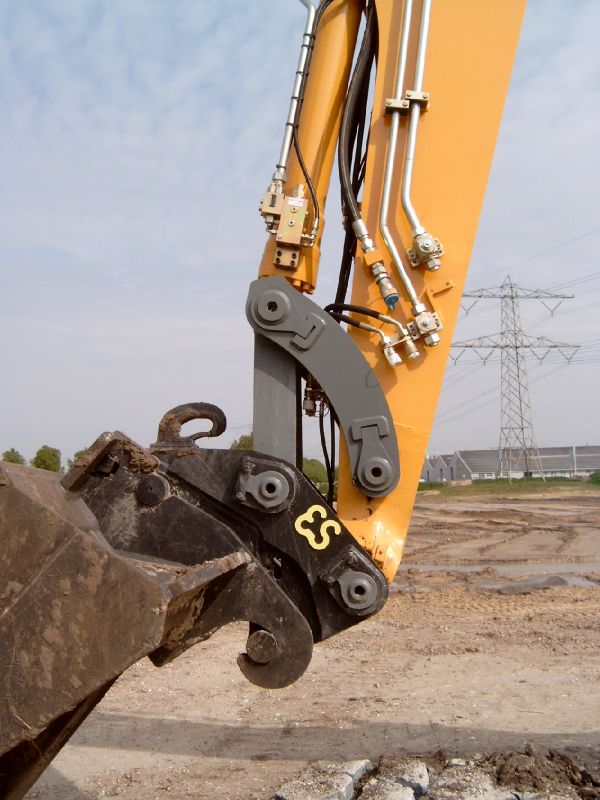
[432, 339]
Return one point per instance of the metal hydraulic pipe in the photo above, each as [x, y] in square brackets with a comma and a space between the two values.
[413, 124]
[280, 172]
[389, 166]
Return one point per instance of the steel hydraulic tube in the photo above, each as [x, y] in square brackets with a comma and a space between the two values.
[413, 124]
[470, 51]
[416, 306]
[319, 124]
[280, 174]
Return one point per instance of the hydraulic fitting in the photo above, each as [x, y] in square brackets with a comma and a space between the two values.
[426, 251]
[392, 356]
[312, 403]
[432, 339]
[374, 262]
[426, 324]
[403, 338]
[384, 284]
[410, 348]
[271, 206]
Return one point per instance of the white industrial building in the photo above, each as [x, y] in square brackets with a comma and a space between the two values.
[557, 462]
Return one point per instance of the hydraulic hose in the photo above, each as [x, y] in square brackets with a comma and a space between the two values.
[354, 105]
[298, 108]
[352, 129]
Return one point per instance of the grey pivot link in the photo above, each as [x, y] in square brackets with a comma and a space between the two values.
[301, 328]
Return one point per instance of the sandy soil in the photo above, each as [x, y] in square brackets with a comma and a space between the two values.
[470, 662]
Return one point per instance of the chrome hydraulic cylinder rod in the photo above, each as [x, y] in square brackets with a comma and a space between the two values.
[280, 171]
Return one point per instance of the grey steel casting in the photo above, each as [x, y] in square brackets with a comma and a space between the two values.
[274, 401]
[300, 328]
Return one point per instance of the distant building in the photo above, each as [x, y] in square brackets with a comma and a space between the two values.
[427, 471]
[439, 469]
[458, 468]
[557, 462]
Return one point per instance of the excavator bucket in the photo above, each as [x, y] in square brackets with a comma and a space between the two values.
[141, 552]
[74, 613]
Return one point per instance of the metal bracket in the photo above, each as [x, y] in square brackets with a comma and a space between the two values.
[373, 467]
[394, 104]
[420, 98]
[274, 309]
[299, 326]
[269, 490]
[355, 585]
[286, 256]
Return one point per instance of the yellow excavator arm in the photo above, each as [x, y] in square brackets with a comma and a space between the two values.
[148, 550]
[426, 99]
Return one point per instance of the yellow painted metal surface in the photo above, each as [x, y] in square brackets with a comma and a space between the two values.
[470, 53]
[319, 127]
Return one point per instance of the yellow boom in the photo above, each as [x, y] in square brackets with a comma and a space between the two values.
[469, 52]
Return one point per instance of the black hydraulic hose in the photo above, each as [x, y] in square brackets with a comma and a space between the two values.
[352, 129]
[331, 477]
[346, 265]
[307, 178]
[348, 320]
[332, 308]
[348, 127]
[324, 446]
[313, 195]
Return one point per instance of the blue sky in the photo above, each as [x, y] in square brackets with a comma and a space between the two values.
[136, 139]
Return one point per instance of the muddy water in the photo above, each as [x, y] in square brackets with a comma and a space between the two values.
[562, 568]
[572, 574]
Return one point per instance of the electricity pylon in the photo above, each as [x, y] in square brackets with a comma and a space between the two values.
[517, 446]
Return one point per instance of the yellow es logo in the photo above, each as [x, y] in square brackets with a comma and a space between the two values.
[324, 529]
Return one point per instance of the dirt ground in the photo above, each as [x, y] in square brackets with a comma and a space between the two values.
[491, 640]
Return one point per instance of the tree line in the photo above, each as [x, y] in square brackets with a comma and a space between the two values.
[46, 458]
[50, 458]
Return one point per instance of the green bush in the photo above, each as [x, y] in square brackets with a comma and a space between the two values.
[13, 456]
[245, 442]
[315, 471]
[47, 458]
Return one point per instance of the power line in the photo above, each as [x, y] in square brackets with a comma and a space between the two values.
[467, 411]
[552, 249]
[517, 438]
[577, 281]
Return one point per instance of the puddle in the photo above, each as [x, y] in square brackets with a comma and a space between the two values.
[559, 568]
[512, 578]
